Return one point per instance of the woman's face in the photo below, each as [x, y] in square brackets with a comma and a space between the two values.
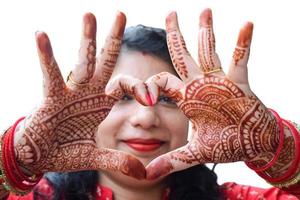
[143, 131]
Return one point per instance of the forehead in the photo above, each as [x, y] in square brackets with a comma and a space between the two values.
[140, 65]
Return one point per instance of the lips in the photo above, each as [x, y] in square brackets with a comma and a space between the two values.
[144, 145]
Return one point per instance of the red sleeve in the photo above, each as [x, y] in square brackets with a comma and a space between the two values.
[15, 197]
[43, 188]
[294, 189]
[234, 191]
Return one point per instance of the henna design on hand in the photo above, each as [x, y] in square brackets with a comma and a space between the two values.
[177, 51]
[238, 54]
[60, 135]
[285, 158]
[208, 59]
[229, 122]
[91, 53]
[108, 59]
[183, 63]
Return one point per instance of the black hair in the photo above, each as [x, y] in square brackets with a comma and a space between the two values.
[198, 182]
[79, 185]
[147, 39]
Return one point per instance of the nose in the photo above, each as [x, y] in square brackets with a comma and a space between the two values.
[145, 117]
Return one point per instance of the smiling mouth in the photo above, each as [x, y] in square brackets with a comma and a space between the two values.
[144, 145]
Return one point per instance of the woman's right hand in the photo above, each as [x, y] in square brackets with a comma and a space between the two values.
[230, 123]
[60, 135]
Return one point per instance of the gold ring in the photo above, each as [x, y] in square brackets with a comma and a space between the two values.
[213, 71]
[69, 78]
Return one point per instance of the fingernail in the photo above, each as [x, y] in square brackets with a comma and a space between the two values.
[89, 21]
[152, 99]
[245, 36]
[44, 45]
[206, 18]
[87, 28]
[170, 24]
[135, 169]
[119, 25]
[152, 175]
[149, 99]
[158, 169]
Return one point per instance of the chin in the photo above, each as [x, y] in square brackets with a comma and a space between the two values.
[144, 156]
[146, 161]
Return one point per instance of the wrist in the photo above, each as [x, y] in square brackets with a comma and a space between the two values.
[286, 156]
[19, 133]
[13, 178]
[20, 130]
[271, 144]
[285, 172]
[291, 175]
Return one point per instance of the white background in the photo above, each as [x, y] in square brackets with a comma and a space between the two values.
[273, 65]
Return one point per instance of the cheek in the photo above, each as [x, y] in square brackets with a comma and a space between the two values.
[108, 129]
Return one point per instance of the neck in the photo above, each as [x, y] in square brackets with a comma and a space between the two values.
[126, 188]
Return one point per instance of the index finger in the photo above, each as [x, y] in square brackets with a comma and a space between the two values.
[176, 160]
[108, 55]
[183, 62]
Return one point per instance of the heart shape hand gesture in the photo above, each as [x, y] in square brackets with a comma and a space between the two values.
[229, 122]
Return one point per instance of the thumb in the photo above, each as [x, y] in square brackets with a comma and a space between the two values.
[179, 159]
[111, 160]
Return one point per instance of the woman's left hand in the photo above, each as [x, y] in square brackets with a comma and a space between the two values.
[229, 122]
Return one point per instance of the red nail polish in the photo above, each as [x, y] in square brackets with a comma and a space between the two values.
[149, 99]
[159, 169]
[152, 99]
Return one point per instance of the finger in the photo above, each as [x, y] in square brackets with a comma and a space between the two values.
[112, 160]
[107, 58]
[238, 71]
[54, 84]
[88, 157]
[85, 66]
[208, 58]
[153, 92]
[173, 161]
[123, 84]
[184, 64]
[167, 83]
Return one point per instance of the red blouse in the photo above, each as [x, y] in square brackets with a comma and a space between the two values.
[232, 191]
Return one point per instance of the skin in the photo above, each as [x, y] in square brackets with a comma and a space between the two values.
[229, 122]
[228, 119]
[129, 119]
[60, 135]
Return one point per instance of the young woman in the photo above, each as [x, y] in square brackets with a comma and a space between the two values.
[120, 113]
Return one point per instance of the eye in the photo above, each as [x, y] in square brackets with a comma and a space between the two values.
[126, 97]
[166, 100]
